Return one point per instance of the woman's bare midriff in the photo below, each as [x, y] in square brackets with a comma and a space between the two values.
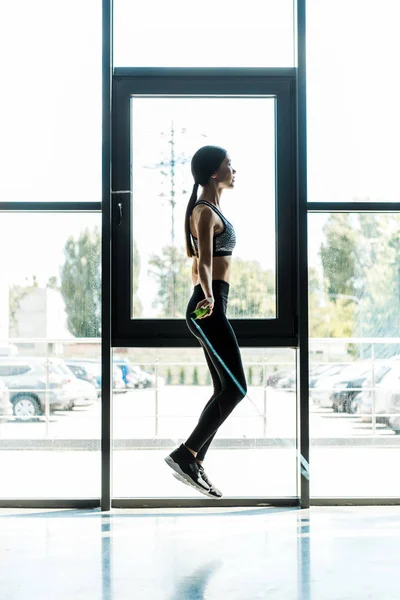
[220, 269]
[221, 264]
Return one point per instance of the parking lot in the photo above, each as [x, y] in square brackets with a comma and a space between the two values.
[140, 414]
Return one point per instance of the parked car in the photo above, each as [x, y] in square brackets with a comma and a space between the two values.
[289, 379]
[325, 370]
[6, 408]
[394, 408]
[94, 368]
[85, 392]
[27, 378]
[346, 389]
[130, 374]
[383, 398]
[135, 377]
[274, 378]
[321, 393]
[81, 371]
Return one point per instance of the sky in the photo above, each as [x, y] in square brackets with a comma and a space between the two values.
[50, 113]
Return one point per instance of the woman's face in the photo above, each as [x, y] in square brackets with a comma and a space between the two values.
[225, 176]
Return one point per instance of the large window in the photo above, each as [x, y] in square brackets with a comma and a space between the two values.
[50, 106]
[166, 132]
[354, 298]
[258, 33]
[167, 390]
[353, 127]
[161, 118]
[353, 121]
[50, 370]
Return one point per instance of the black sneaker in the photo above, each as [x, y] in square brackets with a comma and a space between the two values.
[187, 468]
[213, 492]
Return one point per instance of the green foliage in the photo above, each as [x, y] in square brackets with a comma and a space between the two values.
[182, 376]
[252, 290]
[195, 376]
[172, 272]
[339, 254]
[169, 376]
[359, 293]
[80, 283]
[250, 376]
[52, 283]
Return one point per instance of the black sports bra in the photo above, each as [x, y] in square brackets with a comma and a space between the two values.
[224, 242]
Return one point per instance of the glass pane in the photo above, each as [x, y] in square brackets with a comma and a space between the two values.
[353, 119]
[258, 33]
[354, 302]
[49, 324]
[167, 390]
[50, 106]
[165, 134]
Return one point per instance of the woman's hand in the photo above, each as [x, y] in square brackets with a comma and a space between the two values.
[207, 302]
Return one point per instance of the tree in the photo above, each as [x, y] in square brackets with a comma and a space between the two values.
[361, 282]
[379, 307]
[52, 283]
[80, 283]
[252, 291]
[169, 376]
[328, 316]
[339, 254]
[172, 271]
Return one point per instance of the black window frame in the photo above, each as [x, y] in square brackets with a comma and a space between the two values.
[229, 82]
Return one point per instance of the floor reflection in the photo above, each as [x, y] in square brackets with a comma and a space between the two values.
[193, 586]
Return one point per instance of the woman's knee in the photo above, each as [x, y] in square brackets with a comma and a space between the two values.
[238, 393]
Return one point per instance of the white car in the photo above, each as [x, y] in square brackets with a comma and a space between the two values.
[6, 408]
[382, 398]
[83, 392]
[321, 393]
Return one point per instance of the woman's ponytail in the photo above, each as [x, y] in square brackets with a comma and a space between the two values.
[192, 201]
[205, 162]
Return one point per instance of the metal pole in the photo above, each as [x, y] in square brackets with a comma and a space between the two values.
[265, 398]
[106, 352]
[373, 390]
[156, 402]
[46, 395]
[302, 258]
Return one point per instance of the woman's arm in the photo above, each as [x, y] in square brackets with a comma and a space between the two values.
[205, 223]
[195, 271]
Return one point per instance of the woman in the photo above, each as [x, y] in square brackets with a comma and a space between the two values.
[210, 239]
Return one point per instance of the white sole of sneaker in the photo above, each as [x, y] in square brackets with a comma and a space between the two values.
[179, 474]
[202, 491]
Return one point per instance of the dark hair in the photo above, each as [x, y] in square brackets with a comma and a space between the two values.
[205, 162]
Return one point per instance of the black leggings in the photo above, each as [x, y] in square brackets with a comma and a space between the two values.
[226, 393]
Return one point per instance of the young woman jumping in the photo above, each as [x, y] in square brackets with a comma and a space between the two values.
[210, 240]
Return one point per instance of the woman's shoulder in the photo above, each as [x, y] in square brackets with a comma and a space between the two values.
[203, 208]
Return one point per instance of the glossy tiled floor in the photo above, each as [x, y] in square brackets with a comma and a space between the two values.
[201, 554]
